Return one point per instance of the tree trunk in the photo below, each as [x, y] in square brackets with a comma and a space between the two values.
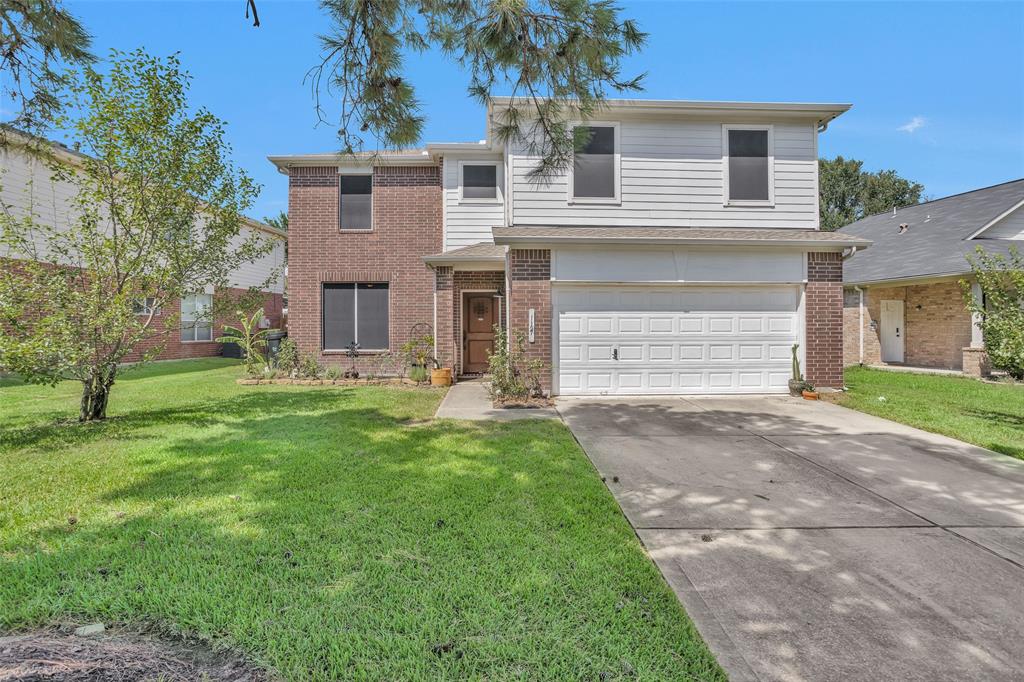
[95, 394]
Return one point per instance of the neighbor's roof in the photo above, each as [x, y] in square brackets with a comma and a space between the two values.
[677, 235]
[481, 251]
[937, 238]
[404, 157]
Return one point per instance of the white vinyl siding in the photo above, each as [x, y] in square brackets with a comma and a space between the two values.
[195, 317]
[470, 222]
[27, 187]
[672, 176]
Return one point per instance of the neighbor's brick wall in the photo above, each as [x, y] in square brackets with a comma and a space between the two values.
[824, 320]
[935, 333]
[170, 339]
[530, 282]
[406, 227]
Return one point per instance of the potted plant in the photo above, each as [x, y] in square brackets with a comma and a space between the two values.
[797, 385]
[809, 393]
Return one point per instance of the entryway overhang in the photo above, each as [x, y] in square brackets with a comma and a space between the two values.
[482, 256]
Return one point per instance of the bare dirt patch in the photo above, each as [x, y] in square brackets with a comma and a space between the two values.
[116, 655]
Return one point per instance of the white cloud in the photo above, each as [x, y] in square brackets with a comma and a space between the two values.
[913, 125]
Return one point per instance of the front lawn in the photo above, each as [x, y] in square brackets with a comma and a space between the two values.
[329, 533]
[987, 414]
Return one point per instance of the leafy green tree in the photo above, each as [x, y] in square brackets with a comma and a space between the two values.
[558, 56]
[37, 39]
[280, 221]
[158, 215]
[849, 193]
[1001, 307]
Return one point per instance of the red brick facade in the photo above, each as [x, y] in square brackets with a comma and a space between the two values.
[823, 302]
[406, 227]
[175, 349]
[530, 287]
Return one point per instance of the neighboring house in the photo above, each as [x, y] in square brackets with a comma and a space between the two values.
[679, 254]
[27, 186]
[904, 304]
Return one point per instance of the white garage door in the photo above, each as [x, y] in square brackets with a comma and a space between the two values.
[675, 340]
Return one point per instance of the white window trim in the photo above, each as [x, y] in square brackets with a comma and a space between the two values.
[616, 164]
[355, 315]
[498, 198]
[356, 170]
[726, 201]
[146, 308]
[193, 320]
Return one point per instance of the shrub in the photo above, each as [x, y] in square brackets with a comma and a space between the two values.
[1001, 309]
[288, 356]
[333, 373]
[310, 368]
[418, 373]
[251, 339]
[514, 376]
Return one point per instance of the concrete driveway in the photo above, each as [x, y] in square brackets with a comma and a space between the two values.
[811, 542]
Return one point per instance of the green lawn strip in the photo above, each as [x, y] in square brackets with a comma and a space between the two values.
[983, 413]
[317, 530]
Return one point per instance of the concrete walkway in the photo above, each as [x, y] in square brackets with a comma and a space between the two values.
[469, 400]
[811, 542]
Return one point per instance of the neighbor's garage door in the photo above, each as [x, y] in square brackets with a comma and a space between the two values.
[675, 340]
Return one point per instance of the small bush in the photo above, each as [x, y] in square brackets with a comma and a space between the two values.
[333, 373]
[514, 376]
[418, 373]
[287, 356]
[310, 368]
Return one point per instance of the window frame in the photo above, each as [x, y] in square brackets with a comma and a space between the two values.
[726, 200]
[361, 170]
[498, 197]
[355, 317]
[616, 166]
[182, 320]
[147, 306]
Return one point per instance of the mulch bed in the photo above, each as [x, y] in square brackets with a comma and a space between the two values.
[332, 382]
[114, 656]
[524, 404]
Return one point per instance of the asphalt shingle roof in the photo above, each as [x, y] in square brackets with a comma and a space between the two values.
[479, 251]
[937, 239]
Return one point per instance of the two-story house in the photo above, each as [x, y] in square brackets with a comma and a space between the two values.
[30, 187]
[680, 252]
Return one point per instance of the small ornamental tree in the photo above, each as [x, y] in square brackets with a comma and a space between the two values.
[158, 214]
[1001, 308]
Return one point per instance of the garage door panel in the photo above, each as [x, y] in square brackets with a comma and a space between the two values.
[732, 341]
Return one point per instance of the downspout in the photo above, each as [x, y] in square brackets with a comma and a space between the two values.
[860, 325]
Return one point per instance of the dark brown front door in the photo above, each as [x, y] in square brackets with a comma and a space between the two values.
[479, 315]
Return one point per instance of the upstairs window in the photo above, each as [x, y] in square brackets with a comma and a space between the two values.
[479, 181]
[355, 202]
[595, 164]
[355, 312]
[748, 165]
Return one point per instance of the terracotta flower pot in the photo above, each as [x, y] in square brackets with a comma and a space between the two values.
[441, 377]
[810, 395]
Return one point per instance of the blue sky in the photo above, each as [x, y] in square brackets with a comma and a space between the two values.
[937, 88]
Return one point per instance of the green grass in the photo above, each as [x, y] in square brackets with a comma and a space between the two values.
[329, 533]
[987, 414]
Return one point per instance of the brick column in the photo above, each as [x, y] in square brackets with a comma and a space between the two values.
[530, 282]
[976, 362]
[823, 311]
[444, 334]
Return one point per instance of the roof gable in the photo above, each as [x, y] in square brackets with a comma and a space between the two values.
[937, 237]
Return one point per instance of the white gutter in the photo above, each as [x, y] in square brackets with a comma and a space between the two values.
[860, 312]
